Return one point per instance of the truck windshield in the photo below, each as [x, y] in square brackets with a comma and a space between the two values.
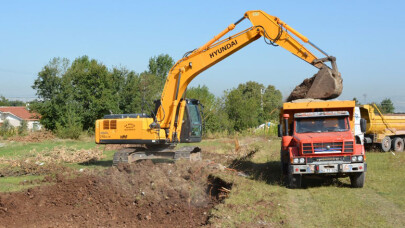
[322, 124]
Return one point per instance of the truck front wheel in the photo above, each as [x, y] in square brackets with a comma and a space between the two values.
[293, 180]
[357, 179]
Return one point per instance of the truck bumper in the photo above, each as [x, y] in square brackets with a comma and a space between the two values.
[330, 168]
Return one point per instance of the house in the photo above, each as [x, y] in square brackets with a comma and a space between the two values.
[15, 115]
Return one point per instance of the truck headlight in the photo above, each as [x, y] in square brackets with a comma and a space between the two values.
[360, 158]
[302, 160]
[354, 158]
[295, 160]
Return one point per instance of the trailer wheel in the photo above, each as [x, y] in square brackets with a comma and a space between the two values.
[398, 144]
[386, 144]
[357, 179]
[293, 180]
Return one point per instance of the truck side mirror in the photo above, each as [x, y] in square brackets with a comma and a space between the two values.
[280, 130]
[363, 125]
[285, 117]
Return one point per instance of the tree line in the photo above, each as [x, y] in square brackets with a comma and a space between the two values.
[73, 95]
[6, 102]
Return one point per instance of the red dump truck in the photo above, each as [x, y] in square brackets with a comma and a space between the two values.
[318, 138]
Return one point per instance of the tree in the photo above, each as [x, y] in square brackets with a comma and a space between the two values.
[272, 101]
[91, 88]
[150, 88]
[386, 106]
[23, 128]
[48, 83]
[70, 124]
[5, 102]
[357, 101]
[251, 104]
[86, 88]
[48, 86]
[160, 65]
[129, 92]
[213, 113]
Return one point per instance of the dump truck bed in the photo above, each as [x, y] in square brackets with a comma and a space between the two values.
[378, 124]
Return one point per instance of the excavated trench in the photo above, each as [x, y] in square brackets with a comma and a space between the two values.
[142, 195]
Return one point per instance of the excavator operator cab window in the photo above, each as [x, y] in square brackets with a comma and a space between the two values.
[191, 130]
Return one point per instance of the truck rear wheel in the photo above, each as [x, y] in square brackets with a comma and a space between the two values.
[357, 179]
[386, 144]
[398, 144]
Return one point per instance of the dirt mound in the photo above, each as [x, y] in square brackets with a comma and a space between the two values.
[141, 195]
[37, 136]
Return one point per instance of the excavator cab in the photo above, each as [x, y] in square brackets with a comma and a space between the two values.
[191, 129]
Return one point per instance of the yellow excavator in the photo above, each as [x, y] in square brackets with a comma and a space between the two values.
[176, 119]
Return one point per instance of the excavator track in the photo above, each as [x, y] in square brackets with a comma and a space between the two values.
[132, 154]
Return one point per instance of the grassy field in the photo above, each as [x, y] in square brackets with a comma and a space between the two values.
[258, 197]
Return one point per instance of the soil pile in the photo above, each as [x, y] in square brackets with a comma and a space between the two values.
[301, 90]
[142, 195]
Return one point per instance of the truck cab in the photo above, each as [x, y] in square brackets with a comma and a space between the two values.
[318, 138]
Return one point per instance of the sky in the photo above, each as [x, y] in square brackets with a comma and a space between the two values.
[364, 36]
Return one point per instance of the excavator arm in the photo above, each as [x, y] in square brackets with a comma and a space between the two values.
[324, 85]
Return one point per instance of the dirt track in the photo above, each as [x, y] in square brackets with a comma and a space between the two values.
[142, 195]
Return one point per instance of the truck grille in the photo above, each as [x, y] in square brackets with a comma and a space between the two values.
[349, 147]
[328, 147]
[307, 148]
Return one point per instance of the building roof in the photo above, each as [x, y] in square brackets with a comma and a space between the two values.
[21, 112]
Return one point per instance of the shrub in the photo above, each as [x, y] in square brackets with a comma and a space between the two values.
[23, 128]
[69, 132]
[7, 130]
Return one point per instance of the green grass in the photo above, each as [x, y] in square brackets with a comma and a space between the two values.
[12, 184]
[19, 149]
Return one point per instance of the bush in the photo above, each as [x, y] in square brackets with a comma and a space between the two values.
[7, 130]
[69, 132]
[23, 128]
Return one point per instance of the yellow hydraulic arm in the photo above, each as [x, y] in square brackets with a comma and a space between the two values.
[193, 63]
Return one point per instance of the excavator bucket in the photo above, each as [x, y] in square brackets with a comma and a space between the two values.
[326, 84]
